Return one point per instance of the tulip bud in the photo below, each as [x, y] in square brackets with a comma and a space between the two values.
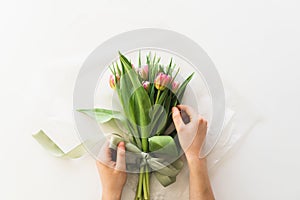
[143, 72]
[161, 81]
[175, 86]
[146, 85]
[112, 81]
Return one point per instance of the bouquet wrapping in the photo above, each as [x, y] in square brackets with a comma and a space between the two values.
[147, 94]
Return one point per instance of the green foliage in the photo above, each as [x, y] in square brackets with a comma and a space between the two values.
[102, 115]
[147, 117]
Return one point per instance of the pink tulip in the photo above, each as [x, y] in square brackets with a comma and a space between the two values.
[143, 72]
[161, 81]
[146, 85]
[175, 86]
[112, 81]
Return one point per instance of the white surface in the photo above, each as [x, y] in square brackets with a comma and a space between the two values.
[254, 44]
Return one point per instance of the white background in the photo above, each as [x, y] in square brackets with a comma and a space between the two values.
[254, 44]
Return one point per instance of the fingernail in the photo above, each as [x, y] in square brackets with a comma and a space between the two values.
[121, 145]
[174, 110]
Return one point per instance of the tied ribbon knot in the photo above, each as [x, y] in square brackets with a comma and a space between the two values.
[163, 166]
[145, 157]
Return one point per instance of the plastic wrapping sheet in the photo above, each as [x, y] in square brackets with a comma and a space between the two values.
[239, 120]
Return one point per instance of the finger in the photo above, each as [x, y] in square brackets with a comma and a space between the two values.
[202, 119]
[104, 155]
[108, 153]
[177, 119]
[120, 162]
[202, 122]
[190, 111]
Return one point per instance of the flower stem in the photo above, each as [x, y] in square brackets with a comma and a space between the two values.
[157, 96]
[144, 141]
[140, 184]
[145, 189]
[147, 180]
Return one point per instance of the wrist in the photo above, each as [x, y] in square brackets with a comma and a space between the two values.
[194, 160]
[111, 195]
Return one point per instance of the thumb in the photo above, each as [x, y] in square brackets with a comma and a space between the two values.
[177, 119]
[120, 162]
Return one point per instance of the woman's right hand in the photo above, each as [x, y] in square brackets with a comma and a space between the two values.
[191, 135]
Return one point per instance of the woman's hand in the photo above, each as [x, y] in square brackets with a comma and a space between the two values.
[192, 134]
[191, 137]
[112, 174]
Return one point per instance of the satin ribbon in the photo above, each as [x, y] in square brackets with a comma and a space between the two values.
[164, 170]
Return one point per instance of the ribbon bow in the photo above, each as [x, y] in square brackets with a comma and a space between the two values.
[162, 158]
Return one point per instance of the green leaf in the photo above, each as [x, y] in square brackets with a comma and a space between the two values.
[51, 147]
[157, 164]
[132, 148]
[127, 64]
[118, 68]
[165, 180]
[135, 133]
[181, 89]
[154, 58]
[163, 96]
[135, 100]
[163, 144]
[140, 62]
[178, 164]
[102, 115]
[152, 93]
[158, 117]
[114, 141]
[169, 66]
[158, 60]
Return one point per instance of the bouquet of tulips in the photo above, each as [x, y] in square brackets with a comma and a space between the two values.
[147, 94]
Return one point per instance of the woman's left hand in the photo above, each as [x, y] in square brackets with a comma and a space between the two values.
[112, 173]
